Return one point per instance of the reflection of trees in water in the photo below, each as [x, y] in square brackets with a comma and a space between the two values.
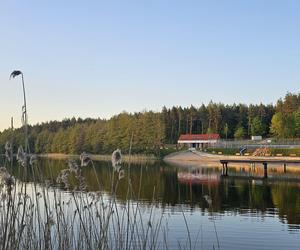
[286, 198]
[245, 194]
[226, 195]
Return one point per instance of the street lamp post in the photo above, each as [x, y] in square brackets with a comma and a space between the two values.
[24, 108]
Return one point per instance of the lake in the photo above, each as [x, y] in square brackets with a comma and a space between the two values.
[190, 208]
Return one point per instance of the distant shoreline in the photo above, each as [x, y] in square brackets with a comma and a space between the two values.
[136, 158]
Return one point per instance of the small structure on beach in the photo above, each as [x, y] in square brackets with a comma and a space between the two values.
[198, 140]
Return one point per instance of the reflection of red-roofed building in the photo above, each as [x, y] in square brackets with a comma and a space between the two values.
[198, 140]
[198, 178]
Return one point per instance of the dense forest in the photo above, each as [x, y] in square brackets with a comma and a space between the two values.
[149, 131]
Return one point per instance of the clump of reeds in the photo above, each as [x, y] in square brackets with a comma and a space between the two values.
[76, 170]
[22, 157]
[8, 151]
[42, 216]
[6, 180]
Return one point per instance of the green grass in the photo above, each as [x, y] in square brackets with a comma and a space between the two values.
[274, 151]
[285, 151]
[225, 151]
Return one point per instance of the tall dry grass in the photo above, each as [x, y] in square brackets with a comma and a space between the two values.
[42, 216]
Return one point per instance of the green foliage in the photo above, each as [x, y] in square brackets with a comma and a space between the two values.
[239, 133]
[225, 151]
[297, 122]
[257, 126]
[285, 151]
[226, 130]
[150, 131]
[166, 151]
[210, 131]
[146, 130]
[277, 126]
[286, 121]
[213, 119]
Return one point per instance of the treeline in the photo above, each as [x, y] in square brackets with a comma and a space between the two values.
[237, 121]
[286, 121]
[230, 121]
[148, 132]
[143, 131]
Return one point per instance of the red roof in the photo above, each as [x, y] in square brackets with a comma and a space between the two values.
[193, 137]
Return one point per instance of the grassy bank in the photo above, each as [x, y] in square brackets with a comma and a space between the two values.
[273, 151]
[225, 151]
[285, 151]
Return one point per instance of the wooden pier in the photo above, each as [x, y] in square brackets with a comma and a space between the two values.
[264, 162]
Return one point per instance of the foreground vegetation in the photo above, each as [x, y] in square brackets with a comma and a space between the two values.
[38, 216]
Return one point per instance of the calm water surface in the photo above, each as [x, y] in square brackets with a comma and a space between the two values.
[234, 213]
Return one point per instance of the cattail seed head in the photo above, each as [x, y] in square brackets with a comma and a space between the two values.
[85, 159]
[116, 159]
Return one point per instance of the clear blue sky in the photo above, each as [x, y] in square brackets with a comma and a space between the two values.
[99, 58]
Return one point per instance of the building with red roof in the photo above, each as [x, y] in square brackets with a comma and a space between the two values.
[198, 140]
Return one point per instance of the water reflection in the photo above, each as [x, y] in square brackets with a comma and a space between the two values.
[197, 189]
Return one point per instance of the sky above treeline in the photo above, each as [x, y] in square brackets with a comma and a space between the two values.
[99, 58]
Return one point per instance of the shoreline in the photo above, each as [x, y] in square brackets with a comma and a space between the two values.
[197, 159]
[136, 158]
